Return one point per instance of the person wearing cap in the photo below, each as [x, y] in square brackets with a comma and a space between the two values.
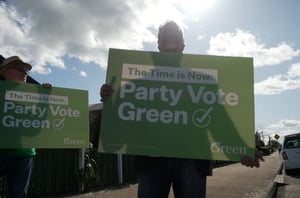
[17, 164]
[157, 174]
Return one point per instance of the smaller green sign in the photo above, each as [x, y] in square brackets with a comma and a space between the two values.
[33, 116]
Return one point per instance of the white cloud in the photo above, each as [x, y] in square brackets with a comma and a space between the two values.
[285, 123]
[282, 128]
[243, 43]
[279, 83]
[294, 70]
[83, 74]
[43, 32]
[276, 85]
[201, 36]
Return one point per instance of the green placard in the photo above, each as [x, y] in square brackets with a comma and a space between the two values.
[33, 116]
[186, 106]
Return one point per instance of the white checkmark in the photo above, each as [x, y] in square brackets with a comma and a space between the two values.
[200, 120]
[60, 123]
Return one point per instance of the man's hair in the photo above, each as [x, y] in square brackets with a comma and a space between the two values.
[169, 25]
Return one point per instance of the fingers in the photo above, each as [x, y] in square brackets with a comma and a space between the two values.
[249, 162]
[106, 90]
[259, 155]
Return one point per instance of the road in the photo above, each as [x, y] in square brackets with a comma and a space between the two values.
[236, 181]
[232, 181]
[289, 186]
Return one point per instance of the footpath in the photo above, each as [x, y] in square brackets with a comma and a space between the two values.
[237, 181]
[231, 181]
[288, 185]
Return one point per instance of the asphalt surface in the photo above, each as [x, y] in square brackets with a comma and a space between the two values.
[289, 186]
[231, 181]
[237, 181]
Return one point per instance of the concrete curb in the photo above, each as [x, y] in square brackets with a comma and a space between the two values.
[273, 191]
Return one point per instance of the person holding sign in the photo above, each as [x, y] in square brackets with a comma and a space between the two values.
[17, 164]
[157, 174]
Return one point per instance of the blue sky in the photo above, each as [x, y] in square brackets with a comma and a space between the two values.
[67, 43]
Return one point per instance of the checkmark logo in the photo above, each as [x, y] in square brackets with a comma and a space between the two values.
[201, 117]
[58, 124]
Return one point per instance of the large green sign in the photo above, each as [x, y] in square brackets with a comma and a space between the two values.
[186, 106]
[33, 116]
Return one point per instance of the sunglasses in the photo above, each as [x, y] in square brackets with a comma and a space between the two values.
[21, 69]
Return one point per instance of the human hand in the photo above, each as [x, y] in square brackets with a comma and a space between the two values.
[106, 90]
[249, 162]
[46, 85]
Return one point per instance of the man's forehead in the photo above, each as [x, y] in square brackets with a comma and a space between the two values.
[170, 33]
